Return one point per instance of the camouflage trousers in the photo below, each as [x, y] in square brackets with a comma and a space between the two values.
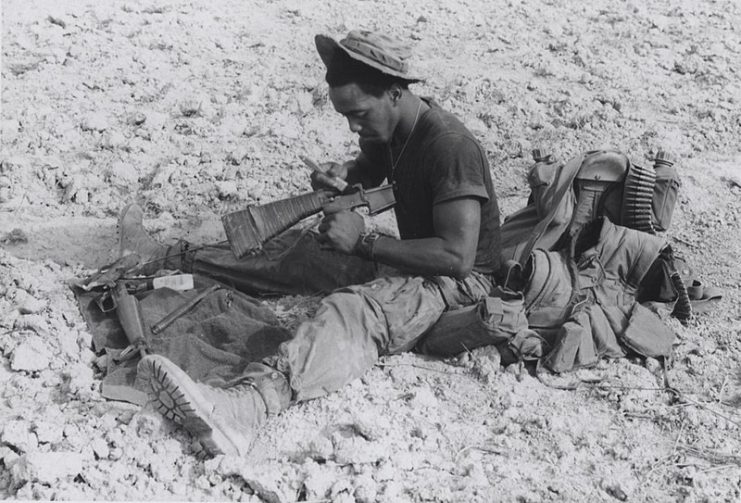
[370, 311]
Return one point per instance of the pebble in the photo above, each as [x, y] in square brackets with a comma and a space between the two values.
[424, 397]
[143, 134]
[33, 322]
[357, 450]
[74, 436]
[320, 448]
[366, 489]
[94, 122]
[10, 129]
[304, 103]
[371, 426]
[342, 492]
[476, 475]
[616, 491]
[123, 174]
[17, 434]
[148, 424]
[31, 355]
[47, 432]
[8, 456]
[227, 189]
[77, 380]
[163, 469]
[45, 467]
[189, 108]
[136, 119]
[100, 448]
[115, 453]
[28, 304]
[653, 366]
[113, 140]
[270, 483]
[319, 480]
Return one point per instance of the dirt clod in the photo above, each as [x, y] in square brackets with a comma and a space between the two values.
[194, 109]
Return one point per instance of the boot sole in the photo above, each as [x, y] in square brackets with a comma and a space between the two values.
[176, 397]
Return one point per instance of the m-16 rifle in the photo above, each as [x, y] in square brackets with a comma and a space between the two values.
[249, 229]
[130, 316]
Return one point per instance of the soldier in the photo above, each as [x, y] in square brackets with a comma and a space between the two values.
[449, 250]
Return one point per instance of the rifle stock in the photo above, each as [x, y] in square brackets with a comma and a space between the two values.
[249, 229]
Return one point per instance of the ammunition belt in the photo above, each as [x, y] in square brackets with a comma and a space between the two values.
[638, 192]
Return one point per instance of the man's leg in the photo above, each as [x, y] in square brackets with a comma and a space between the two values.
[352, 327]
[355, 325]
[293, 263]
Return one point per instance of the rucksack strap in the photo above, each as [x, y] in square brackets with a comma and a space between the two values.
[571, 169]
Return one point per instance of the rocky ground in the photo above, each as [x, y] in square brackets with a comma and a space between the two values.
[199, 108]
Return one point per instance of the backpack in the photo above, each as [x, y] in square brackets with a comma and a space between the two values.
[600, 183]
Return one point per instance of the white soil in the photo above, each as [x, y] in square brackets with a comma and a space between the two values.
[195, 109]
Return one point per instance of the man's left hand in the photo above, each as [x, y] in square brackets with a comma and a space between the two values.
[342, 230]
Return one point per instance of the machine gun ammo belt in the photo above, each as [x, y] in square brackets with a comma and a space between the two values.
[638, 190]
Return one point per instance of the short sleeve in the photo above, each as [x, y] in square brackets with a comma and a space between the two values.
[456, 165]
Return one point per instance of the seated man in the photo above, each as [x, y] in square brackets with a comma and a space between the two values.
[448, 221]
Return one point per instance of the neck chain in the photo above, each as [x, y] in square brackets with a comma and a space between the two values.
[406, 142]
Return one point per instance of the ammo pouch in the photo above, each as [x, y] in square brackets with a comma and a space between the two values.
[493, 320]
[643, 198]
[665, 192]
[641, 322]
[606, 184]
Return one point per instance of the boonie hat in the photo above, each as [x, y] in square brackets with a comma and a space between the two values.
[385, 54]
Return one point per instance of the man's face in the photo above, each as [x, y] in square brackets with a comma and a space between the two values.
[372, 118]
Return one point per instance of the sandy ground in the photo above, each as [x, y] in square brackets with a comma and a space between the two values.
[199, 108]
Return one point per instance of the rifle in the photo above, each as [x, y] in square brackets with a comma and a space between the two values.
[249, 229]
[130, 316]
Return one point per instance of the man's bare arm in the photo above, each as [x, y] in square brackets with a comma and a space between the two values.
[452, 252]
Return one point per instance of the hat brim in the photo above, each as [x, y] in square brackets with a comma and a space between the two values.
[327, 48]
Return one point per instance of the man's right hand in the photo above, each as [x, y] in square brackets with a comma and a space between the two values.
[328, 179]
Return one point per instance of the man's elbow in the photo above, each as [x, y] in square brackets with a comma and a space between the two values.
[460, 268]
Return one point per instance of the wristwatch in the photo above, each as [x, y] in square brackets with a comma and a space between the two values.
[365, 244]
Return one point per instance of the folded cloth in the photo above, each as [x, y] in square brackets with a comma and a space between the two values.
[212, 342]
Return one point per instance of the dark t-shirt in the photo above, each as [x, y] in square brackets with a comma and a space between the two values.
[442, 161]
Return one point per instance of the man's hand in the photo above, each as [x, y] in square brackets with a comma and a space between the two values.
[342, 230]
[332, 170]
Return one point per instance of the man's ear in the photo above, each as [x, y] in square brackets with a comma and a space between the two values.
[395, 92]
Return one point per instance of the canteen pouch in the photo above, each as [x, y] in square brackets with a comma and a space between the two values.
[493, 320]
[646, 334]
[666, 189]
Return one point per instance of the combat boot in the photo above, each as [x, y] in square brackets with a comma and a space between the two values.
[223, 419]
[132, 236]
[134, 239]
